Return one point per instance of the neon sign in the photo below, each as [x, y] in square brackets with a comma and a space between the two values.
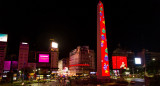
[79, 65]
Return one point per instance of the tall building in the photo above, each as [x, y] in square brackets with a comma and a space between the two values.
[148, 56]
[102, 50]
[23, 55]
[92, 60]
[81, 61]
[54, 56]
[3, 47]
[60, 67]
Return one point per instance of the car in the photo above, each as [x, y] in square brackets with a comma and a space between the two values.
[132, 82]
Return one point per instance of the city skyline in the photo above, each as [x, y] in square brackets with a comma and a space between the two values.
[132, 25]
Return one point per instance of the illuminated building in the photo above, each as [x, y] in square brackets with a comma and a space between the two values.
[23, 55]
[92, 60]
[60, 67]
[54, 56]
[81, 61]
[63, 65]
[3, 47]
[102, 50]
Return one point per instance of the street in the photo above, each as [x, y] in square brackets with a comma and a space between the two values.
[53, 83]
[138, 82]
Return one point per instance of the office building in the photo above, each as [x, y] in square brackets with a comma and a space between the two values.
[3, 48]
[81, 61]
[23, 55]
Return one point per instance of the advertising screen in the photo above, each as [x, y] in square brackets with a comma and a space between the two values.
[137, 60]
[44, 58]
[3, 37]
[119, 62]
[7, 65]
[54, 45]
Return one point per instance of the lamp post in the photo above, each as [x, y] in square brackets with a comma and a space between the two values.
[39, 75]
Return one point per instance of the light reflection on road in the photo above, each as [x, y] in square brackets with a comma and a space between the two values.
[53, 83]
[138, 82]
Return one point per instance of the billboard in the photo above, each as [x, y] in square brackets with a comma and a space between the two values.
[54, 45]
[44, 58]
[119, 62]
[7, 65]
[3, 37]
[137, 60]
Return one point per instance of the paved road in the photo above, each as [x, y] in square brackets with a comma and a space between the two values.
[138, 82]
[53, 83]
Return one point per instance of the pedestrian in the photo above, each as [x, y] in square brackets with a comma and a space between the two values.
[60, 81]
[63, 81]
[67, 82]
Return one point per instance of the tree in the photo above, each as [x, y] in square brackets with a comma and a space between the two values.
[153, 67]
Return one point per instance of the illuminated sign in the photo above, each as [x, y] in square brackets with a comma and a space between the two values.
[137, 60]
[7, 65]
[65, 69]
[5, 71]
[54, 45]
[24, 43]
[4, 76]
[119, 62]
[92, 72]
[43, 57]
[79, 65]
[3, 37]
[104, 49]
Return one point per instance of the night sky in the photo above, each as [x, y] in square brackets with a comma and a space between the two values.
[132, 23]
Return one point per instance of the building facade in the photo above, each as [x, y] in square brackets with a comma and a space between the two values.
[63, 65]
[3, 48]
[23, 55]
[54, 51]
[81, 61]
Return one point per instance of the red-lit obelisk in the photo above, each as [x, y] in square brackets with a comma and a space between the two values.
[102, 50]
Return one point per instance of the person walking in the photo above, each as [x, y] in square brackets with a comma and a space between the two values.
[67, 82]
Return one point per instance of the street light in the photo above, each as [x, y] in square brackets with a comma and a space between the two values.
[38, 72]
[39, 75]
[153, 59]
